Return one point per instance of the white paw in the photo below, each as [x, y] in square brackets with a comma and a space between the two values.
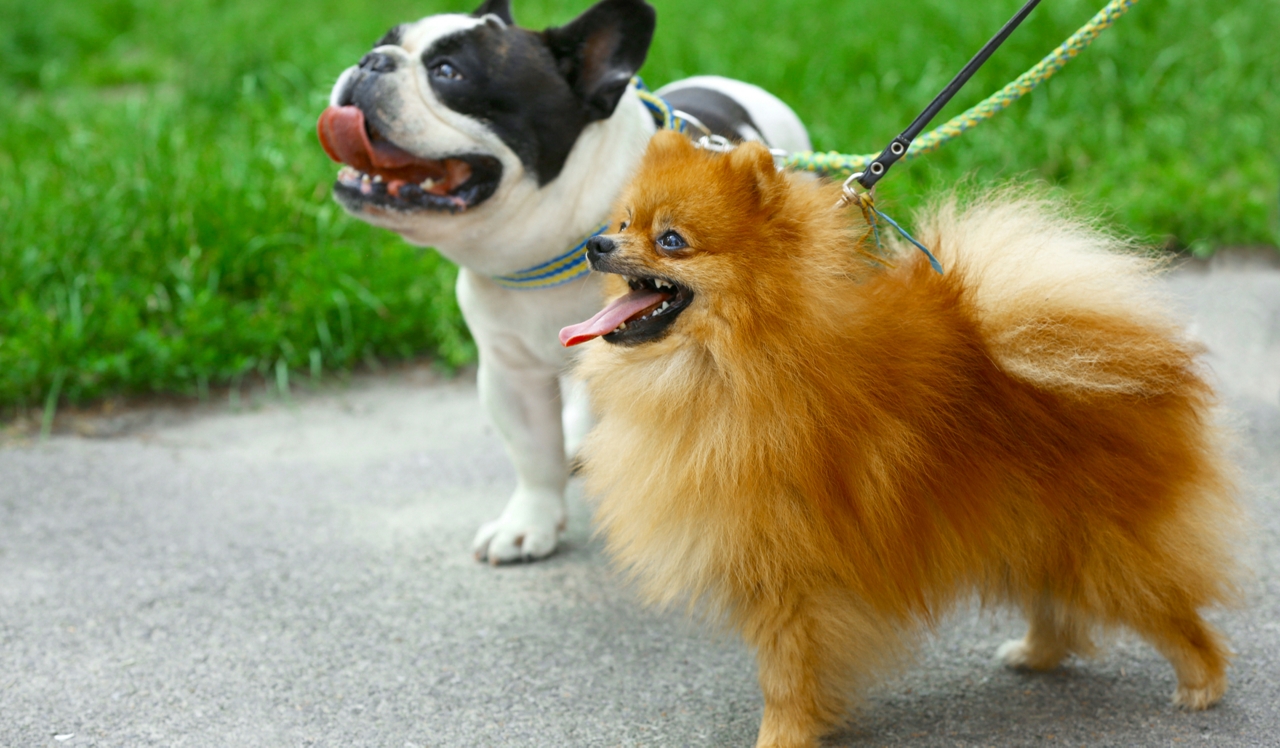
[1013, 653]
[527, 530]
[1018, 654]
[1196, 699]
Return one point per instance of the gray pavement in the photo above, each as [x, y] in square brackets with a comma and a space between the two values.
[297, 574]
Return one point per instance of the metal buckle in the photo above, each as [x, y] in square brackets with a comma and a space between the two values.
[849, 194]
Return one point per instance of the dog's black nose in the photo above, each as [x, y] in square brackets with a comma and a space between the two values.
[600, 245]
[376, 62]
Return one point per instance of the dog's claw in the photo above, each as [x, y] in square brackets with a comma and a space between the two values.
[509, 540]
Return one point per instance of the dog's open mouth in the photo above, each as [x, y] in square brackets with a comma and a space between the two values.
[377, 172]
[644, 314]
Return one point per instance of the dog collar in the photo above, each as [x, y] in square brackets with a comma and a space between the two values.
[569, 266]
[573, 265]
[664, 116]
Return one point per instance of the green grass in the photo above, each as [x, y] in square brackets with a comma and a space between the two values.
[165, 224]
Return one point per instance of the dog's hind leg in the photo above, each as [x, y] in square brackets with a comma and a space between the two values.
[1053, 631]
[578, 418]
[1198, 653]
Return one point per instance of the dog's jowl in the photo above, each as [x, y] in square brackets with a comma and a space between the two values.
[504, 148]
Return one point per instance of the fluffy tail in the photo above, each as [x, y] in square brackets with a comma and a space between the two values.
[1062, 304]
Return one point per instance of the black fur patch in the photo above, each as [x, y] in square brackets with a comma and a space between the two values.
[499, 8]
[601, 49]
[393, 36]
[721, 114]
[507, 78]
[538, 91]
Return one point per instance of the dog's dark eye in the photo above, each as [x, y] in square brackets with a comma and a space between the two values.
[671, 241]
[623, 226]
[445, 70]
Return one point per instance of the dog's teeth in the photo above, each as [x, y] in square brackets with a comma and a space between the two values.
[377, 178]
[664, 306]
[621, 327]
[428, 183]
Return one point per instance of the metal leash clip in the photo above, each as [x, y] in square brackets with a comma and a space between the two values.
[715, 143]
[866, 202]
[849, 195]
[780, 157]
[688, 119]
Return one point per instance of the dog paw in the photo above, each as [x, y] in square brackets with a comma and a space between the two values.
[1197, 699]
[1020, 655]
[527, 530]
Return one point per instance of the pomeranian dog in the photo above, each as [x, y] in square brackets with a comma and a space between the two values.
[827, 444]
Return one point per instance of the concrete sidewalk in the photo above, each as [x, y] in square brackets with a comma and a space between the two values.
[298, 575]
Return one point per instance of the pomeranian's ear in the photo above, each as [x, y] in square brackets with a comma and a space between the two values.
[669, 143]
[753, 162]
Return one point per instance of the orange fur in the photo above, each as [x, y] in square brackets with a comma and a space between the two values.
[830, 448]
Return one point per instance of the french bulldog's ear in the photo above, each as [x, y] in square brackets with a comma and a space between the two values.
[754, 164]
[499, 8]
[601, 49]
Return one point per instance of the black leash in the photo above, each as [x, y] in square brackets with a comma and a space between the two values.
[897, 147]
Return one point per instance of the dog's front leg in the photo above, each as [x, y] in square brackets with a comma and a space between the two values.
[524, 404]
[521, 363]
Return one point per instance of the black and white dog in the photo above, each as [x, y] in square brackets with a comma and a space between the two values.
[503, 148]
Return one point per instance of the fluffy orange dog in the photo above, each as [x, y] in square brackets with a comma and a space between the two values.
[830, 445]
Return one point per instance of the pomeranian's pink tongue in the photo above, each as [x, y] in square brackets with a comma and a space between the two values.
[608, 319]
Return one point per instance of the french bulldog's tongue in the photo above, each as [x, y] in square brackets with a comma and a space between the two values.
[343, 136]
[608, 319]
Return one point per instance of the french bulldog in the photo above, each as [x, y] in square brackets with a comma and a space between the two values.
[503, 148]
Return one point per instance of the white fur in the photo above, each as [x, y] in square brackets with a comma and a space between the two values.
[522, 224]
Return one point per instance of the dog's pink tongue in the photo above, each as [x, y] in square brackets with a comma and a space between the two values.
[343, 136]
[608, 319]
